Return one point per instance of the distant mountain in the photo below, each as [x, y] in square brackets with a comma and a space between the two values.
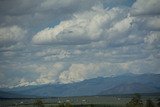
[127, 83]
[130, 88]
[4, 94]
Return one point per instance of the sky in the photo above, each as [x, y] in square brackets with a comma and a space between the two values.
[65, 41]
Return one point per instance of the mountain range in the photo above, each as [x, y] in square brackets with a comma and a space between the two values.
[122, 84]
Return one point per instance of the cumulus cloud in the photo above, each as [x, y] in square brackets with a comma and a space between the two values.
[75, 31]
[143, 7]
[83, 28]
[59, 53]
[77, 72]
[153, 40]
[121, 28]
[153, 23]
[33, 12]
[11, 35]
[70, 41]
[31, 74]
[23, 82]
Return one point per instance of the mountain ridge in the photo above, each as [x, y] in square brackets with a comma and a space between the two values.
[95, 86]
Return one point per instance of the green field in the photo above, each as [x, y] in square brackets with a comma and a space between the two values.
[84, 101]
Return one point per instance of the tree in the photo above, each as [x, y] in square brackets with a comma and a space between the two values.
[149, 103]
[135, 101]
[39, 103]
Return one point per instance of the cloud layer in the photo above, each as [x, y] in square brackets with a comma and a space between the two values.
[58, 41]
[141, 7]
[11, 35]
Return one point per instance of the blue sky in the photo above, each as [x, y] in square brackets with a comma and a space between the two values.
[50, 41]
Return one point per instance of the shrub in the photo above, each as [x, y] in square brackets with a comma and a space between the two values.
[38, 103]
[135, 101]
[149, 103]
[158, 104]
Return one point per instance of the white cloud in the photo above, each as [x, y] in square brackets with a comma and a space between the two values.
[11, 35]
[153, 23]
[83, 28]
[46, 78]
[50, 4]
[57, 53]
[89, 39]
[38, 73]
[143, 7]
[23, 82]
[78, 72]
[121, 28]
[153, 39]
[81, 71]
[30, 14]
[60, 54]
[58, 66]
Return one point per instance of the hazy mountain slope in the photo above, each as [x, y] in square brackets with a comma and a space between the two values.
[4, 94]
[96, 86]
[130, 88]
